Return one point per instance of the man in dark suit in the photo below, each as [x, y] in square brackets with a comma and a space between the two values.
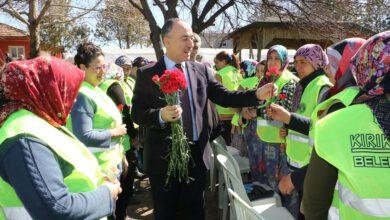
[181, 200]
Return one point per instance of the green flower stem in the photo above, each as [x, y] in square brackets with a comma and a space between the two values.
[179, 153]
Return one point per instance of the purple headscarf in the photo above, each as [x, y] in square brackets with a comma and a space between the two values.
[314, 54]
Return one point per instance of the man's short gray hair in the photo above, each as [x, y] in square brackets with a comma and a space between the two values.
[197, 39]
[167, 27]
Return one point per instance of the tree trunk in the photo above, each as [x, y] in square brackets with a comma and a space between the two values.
[35, 40]
[155, 39]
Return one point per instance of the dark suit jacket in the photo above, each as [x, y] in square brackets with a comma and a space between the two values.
[147, 101]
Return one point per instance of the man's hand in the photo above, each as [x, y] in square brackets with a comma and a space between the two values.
[285, 185]
[278, 113]
[118, 131]
[283, 132]
[267, 91]
[171, 113]
[249, 113]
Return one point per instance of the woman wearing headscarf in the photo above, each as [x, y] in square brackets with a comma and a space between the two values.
[342, 78]
[355, 160]
[46, 173]
[266, 153]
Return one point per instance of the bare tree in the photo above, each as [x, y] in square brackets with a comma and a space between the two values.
[32, 14]
[121, 22]
[203, 15]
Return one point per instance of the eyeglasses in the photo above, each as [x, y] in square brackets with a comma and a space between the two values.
[98, 68]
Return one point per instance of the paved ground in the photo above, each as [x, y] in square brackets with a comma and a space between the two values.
[144, 210]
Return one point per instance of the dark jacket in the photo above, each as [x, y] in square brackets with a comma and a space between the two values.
[148, 100]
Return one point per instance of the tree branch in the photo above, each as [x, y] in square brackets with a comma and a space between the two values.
[11, 11]
[211, 20]
[207, 8]
[162, 8]
[78, 16]
[43, 11]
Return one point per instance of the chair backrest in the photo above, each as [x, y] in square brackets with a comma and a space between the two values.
[219, 147]
[232, 180]
[242, 209]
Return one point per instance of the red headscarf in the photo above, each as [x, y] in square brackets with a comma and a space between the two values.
[340, 55]
[46, 86]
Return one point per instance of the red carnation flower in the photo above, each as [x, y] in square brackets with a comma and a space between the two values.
[155, 79]
[272, 73]
[282, 96]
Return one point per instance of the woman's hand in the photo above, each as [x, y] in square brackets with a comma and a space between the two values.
[278, 113]
[285, 185]
[118, 131]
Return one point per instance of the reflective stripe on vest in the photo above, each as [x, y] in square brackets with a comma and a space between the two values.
[373, 207]
[263, 122]
[300, 138]
[361, 154]
[231, 79]
[333, 213]
[113, 145]
[268, 131]
[107, 116]
[298, 148]
[15, 213]
[293, 163]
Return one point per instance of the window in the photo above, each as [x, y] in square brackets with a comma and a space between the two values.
[16, 52]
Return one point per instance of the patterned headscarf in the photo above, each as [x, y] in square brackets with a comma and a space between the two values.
[282, 54]
[371, 65]
[314, 54]
[249, 68]
[340, 55]
[123, 60]
[371, 69]
[46, 86]
[114, 72]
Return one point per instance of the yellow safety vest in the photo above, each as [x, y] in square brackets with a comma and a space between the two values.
[85, 176]
[352, 141]
[298, 147]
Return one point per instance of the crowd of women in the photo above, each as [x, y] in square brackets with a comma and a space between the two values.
[69, 148]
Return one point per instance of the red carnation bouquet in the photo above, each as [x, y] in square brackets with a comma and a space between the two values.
[171, 83]
[273, 74]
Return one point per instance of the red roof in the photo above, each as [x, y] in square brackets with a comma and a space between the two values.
[9, 31]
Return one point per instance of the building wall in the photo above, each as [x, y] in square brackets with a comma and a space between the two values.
[6, 42]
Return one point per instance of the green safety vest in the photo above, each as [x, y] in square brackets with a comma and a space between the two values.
[345, 97]
[127, 88]
[247, 84]
[107, 116]
[298, 147]
[231, 79]
[352, 141]
[85, 176]
[268, 130]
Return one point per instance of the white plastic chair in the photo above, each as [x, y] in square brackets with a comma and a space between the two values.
[242, 209]
[269, 208]
[217, 146]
